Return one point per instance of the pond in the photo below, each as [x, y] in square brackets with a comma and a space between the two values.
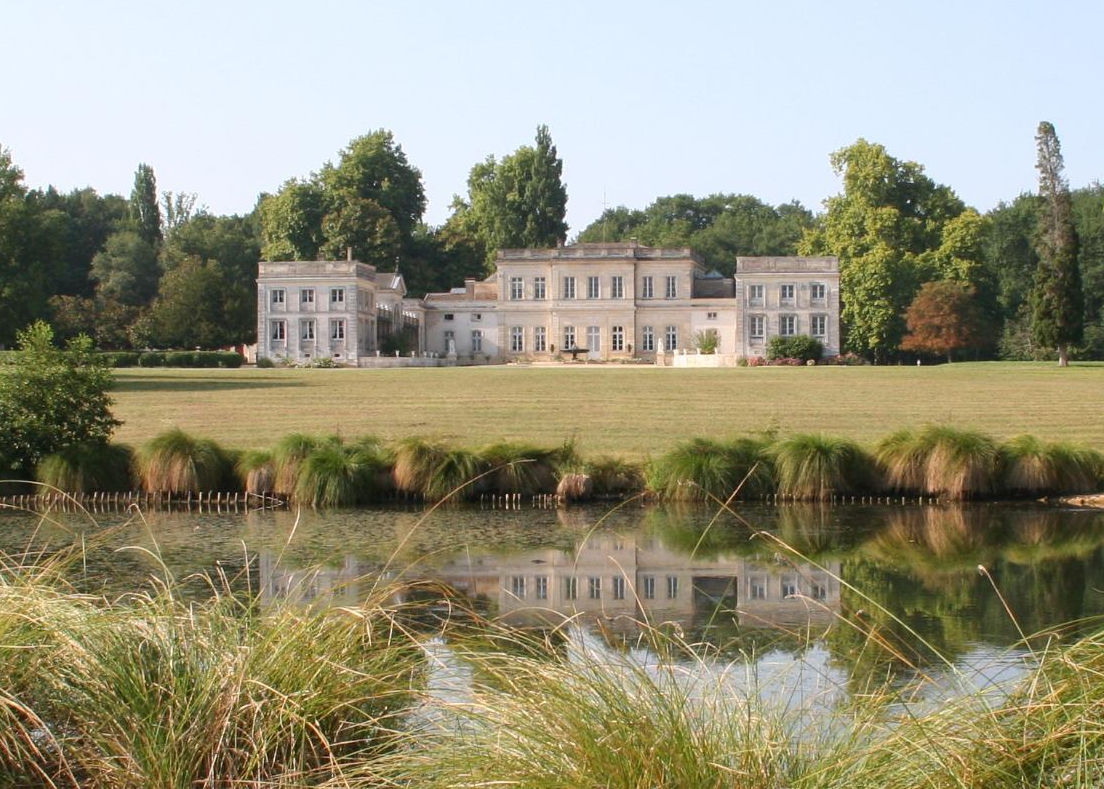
[794, 591]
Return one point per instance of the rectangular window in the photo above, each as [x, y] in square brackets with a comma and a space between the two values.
[569, 337]
[571, 588]
[672, 587]
[540, 339]
[757, 327]
[618, 585]
[788, 587]
[711, 316]
[647, 339]
[279, 331]
[517, 339]
[569, 287]
[594, 587]
[477, 340]
[755, 295]
[818, 325]
[787, 325]
[517, 586]
[617, 338]
[337, 330]
[786, 294]
[648, 581]
[647, 288]
[672, 288]
[450, 341]
[517, 288]
[818, 591]
[617, 287]
[278, 296]
[818, 291]
[306, 330]
[306, 296]
[541, 587]
[538, 288]
[594, 290]
[672, 338]
[594, 338]
[757, 588]
[449, 316]
[337, 296]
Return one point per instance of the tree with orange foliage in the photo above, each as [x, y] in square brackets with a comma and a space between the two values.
[942, 319]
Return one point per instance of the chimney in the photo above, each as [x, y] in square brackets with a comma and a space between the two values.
[349, 254]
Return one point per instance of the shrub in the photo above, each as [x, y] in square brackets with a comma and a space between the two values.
[175, 462]
[179, 359]
[264, 363]
[88, 468]
[434, 469]
[230, 359]
[52, 399]
[707, 341]
[256, 472]
[796, 346]
[151, 359]
[121, 358]
[817, 467]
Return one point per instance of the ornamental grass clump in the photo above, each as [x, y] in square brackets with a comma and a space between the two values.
[335, 474]
[701, 469]
[257, 472]
[615, 477]
[434, 469]
[817, 467]
[88, 468]
[1033, 468]
[175, 462]
[518, 468]
[288, 454]
[941, 461]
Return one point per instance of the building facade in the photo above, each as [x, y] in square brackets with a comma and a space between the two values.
[342, 310]
[606, 302]
[625, 301]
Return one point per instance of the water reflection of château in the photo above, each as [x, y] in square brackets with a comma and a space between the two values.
[617, 580]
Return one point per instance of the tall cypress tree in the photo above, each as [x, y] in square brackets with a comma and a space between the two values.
[1057, 301]
[144, 207]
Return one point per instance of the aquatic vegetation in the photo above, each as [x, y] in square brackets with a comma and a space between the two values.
[288, 454]
[518, 468]
[434, 469]
[88, 468]
[614, 476]
[334, 474]
[175, 462]
[257, 472]
[816, 467]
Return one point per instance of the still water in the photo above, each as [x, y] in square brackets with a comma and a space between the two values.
[793, 591]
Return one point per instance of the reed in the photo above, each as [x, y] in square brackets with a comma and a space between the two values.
[334, 474]
[612, 476]
[815, 467]
[701, 469]
[175, 462]
[88, 468]
[1033, 467]
[155, 691]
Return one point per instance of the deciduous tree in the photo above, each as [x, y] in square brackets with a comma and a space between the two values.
[1057, 301]
[145, 211]
[942, 319]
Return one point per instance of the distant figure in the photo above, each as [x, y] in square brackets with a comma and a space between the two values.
[917, 362]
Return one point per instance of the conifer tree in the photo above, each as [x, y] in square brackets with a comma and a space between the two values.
[1057, 301]
[144, 207]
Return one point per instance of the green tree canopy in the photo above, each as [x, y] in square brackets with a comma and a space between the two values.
[1057, 301]
[719, 227]
[145, 210]
[198, 307]
[51, 399]
[887, 228]
[518, 202]
[127, 269]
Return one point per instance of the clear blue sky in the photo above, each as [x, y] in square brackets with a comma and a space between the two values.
[229, 99]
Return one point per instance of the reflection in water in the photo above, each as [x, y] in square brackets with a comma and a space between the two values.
[872, 592]
[617, 581]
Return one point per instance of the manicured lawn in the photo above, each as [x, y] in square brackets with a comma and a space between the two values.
[628, 411]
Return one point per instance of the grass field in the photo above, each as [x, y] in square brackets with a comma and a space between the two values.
[626, 411]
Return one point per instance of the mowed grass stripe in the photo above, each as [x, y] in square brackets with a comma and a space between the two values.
[621, 410]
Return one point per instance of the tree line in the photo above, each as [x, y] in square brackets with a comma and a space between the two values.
[921, 272]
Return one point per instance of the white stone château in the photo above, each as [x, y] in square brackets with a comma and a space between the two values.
[597, 301]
